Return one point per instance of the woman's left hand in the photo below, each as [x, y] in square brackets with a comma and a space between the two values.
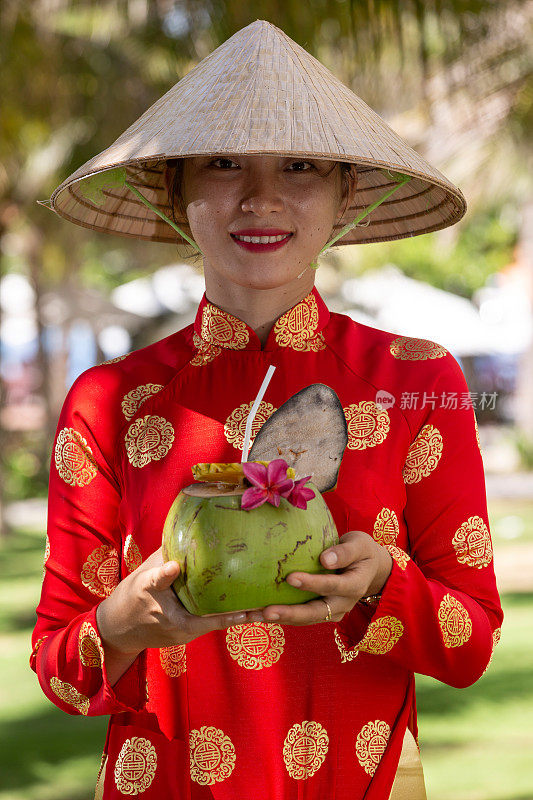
[363, 568]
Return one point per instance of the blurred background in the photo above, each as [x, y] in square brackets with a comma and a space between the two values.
[454, 78]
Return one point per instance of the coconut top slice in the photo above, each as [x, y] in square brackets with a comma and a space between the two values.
[309, 431]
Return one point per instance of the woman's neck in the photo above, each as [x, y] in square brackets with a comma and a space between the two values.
[259, 308]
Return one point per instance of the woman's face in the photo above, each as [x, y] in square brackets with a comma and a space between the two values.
[230, 193]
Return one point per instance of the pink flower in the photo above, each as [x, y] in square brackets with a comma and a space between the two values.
[270, 483]
[300, 494]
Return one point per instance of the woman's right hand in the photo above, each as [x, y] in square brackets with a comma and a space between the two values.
[143, 611]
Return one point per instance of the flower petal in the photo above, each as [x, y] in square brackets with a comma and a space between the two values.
[255, 473]
[253, 497]
[277, 471]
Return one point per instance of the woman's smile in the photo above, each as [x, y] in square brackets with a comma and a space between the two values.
[261, 244]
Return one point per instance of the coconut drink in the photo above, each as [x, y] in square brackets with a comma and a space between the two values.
[242, 528]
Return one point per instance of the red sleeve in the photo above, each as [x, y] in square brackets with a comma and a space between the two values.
[82, 561]
[439, 612]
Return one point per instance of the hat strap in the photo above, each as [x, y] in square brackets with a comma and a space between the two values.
[92, 188]
[400, 179]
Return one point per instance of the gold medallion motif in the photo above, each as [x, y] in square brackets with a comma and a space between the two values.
[454, 622]
[223, 329]
[472, 543]
[305, 748]
[496, 634]
[74, 458]
[235, 425]
[132, 554]
[423, 455]
[297, 326]
[132, 400]
[148, 439]
[255, 645]
[346, 655]
[90, 647]
[381, 636]
[477, 434]
[212, 755]
[371, 743]
[368, 424]
[114, 360]
[173, 660]
[408, 348]
[37, 644]
[135, 766]
[386, 527]
[399, 555]
[68, 694]
[206, 352]
[100, 573]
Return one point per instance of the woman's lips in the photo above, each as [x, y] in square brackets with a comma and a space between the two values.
[257, 247]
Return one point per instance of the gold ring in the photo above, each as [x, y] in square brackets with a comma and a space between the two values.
[328, 618]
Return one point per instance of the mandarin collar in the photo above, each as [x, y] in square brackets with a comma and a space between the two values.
[299, 328]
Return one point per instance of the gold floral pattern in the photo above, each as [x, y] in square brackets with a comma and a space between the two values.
[305, 748]
[297, 326]
[132, 554]
[408, 348]
[68, 694]
[346, 655]
[74, 458]
[454, 622]
[100, 573]
[135, 766]
[368, 424]
[255, 645]
[472, 543]
[205, 351]
[223, 329]
[235, 425]
[212, 755]
[46, 553]
[399, 555]
[173, 660]
[132, 400]
[148, 439]
[381, 635]
[371, 743]
[90, 647]
[386, 527]
[423, 455]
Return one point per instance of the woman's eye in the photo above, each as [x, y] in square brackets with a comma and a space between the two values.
[301, 162]
[226, 160]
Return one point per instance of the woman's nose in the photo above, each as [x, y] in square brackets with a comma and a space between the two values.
[262, 194]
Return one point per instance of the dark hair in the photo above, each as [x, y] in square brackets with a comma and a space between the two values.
[175, 195]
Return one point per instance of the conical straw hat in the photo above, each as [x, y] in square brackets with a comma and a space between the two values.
[260, 92]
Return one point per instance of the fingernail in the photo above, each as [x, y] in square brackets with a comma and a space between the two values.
[169, 567]
[273, 616]
[294, 581]
[239, 617]
[330, 558]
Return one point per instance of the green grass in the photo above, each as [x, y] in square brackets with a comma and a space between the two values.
[476, 743]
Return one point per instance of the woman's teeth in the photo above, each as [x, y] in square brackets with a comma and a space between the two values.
[262, 239]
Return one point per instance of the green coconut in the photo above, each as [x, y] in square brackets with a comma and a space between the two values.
[233, 559]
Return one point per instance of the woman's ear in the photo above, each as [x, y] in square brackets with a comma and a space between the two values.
[349, 188]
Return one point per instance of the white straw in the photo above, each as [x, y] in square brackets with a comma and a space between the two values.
[253, 412]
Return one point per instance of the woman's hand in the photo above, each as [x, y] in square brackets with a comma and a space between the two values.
[143, 611]
[364, 566]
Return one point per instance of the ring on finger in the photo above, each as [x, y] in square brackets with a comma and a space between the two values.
[328, 618]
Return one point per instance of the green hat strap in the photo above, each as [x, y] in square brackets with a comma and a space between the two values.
[91, 188]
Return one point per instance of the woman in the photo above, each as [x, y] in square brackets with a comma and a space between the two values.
[287, 701]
